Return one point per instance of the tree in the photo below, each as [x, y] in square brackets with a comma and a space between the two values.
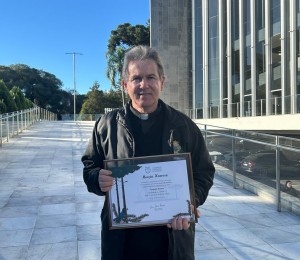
[128, 35]
[7, 103]
[40, 87]
[124, 37]
[114, 70]
[19, 98]
[94, 102]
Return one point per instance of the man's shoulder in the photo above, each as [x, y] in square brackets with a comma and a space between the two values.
[109, 117]
[176, 115]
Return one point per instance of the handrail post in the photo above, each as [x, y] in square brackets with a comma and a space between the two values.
[18, 121]
[0, 130]
[205, 134]
[22, 121]
[233, 159]
[13, 124]
[7, 129]
[278, 175]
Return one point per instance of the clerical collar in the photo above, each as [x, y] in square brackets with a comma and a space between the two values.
[144, 116]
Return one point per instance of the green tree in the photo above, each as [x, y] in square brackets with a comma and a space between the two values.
[114, 69]
[112, 99]
[7, 102]
[94, 101]
[40, 87]
[128, 35]
[124, 37]
[19, 98]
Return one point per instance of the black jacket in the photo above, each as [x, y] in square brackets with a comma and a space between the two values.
[112, 139]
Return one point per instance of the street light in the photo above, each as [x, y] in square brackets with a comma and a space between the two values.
[74, 62]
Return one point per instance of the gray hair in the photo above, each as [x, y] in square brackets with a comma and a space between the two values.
[141, 53]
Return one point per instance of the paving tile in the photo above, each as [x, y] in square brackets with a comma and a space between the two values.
[55, 209]
[88, 218]
[17, 223]
[62, 220]
[217, 254]
[257, 252]
[219, 223]
[237, 238]
[89, 207]
[273, 235]
[204, 241]
[9, 238]
[17, 202]
[289, 250]
[89, 250]
[13, 253]
[88, 232]
[53, 235]
[256, 221]
[57, 251]
[58, 199]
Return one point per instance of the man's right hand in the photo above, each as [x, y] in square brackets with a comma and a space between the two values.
[105, 180]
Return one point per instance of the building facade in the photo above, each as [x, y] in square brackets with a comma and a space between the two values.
[229, 58]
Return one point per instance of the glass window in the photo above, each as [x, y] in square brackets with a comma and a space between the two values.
[198, 55]
[235, 52]
[260, 14]
[213, 53]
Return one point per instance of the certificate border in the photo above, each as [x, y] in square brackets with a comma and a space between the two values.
[144, 160]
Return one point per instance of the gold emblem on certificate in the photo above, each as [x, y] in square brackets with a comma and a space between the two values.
[150, 190]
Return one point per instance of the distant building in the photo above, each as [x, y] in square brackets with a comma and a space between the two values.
[229, 58]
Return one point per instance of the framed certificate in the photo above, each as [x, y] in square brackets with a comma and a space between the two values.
[150, 190]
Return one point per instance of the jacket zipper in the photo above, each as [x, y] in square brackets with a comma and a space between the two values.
[170, 141]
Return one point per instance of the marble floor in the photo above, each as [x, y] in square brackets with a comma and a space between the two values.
[47, 213]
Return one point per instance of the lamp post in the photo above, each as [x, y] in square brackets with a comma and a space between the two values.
[74, 64]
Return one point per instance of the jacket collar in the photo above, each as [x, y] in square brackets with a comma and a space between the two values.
[171, 115]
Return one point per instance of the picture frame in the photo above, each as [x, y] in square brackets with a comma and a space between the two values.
[150, 191]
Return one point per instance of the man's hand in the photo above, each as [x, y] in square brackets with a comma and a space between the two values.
[105, 180]
[181, 223]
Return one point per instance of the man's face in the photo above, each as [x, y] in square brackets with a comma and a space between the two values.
[144, 85]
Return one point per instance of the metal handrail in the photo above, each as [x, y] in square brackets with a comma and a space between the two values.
[13, 123]
[274, 144]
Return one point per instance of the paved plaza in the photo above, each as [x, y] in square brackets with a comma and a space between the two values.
[46, 211]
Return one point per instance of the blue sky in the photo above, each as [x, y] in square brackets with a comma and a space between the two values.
[38, 33]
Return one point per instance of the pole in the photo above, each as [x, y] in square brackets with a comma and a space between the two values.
[74, 78]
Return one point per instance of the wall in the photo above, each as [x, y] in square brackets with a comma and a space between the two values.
[260, 123]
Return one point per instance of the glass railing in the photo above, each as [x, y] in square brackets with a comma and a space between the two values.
[275, 105]
[267, 161]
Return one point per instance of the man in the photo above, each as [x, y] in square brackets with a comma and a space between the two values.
[146, 126]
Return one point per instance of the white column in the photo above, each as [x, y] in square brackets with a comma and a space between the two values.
[193, 59]
[221, 57]
[268, 51]
[283, 41]
[205, 59]
[253, 58]
[229, 58]
[242, 56]
[293, 55]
